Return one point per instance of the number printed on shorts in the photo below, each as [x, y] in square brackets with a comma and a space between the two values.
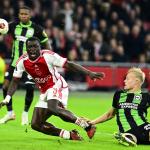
[54, 92]
[57, 93]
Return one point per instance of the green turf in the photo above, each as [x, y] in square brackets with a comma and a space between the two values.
[87, 104]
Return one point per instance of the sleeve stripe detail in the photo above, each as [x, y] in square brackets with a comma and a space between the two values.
[46, 39]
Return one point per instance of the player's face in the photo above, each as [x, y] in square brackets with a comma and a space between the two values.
[33, 50]
[130, 81]
[24, 15]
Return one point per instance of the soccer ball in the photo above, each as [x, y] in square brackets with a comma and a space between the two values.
[4, 27]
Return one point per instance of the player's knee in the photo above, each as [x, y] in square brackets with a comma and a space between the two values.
[30, 87]
[53, 106]
[35, 125]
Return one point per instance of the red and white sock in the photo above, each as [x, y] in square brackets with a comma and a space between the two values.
[64, 134]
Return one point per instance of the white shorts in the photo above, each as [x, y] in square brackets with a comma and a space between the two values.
[56, 92]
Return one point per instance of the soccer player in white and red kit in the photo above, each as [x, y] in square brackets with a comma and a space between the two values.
[41, 66]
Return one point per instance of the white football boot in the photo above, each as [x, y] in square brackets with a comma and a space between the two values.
[25, 120]
[9, 116]
[126, 139]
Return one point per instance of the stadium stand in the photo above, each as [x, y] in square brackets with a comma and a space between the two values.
[114, 31]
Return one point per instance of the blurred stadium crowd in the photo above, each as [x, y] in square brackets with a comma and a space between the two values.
[88, 30]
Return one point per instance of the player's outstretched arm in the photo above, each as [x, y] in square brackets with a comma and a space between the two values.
[76, 67]
[105, 117]
[11, 90]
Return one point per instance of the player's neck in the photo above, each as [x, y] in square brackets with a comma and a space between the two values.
[135, 90]
[25, 24]
[36, 59]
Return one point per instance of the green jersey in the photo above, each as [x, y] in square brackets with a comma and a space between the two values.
[20, 34]
[131, 109]
[2, 70]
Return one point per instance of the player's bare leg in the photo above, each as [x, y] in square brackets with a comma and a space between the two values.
[28, 101]
[5, 88]
[55, 108]
[40, 115]
[10, 114]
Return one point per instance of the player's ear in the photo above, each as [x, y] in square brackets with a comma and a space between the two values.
[29, 17]
[31, 14]
[138, 80]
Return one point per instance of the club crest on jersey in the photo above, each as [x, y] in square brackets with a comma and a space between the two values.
[37, 70]
[138, 97]
[30, 32]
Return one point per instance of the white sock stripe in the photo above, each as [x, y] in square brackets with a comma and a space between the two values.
[65, 134]
[61, 133]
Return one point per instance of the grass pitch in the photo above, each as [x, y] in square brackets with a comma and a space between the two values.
[13, 136]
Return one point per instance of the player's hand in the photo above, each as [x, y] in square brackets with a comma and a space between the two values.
[85, 119]
[3, 103]
[91, 122]
[97, 75]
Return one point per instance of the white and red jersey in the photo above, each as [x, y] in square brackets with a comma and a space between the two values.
[42, 70]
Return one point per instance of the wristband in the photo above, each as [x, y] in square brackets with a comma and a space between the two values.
[7, 99]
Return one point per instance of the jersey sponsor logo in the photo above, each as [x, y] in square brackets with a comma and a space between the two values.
[42, 80]
[128, 105]
[21, 38]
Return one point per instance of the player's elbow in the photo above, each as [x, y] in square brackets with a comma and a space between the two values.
[69, 65]
[110, 116]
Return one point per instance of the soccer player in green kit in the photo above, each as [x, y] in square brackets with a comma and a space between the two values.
[20, 31]
[130, 107]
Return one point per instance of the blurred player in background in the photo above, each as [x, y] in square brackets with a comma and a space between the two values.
[2, 70]
[22, 30]
[130, 107]
[41, 65]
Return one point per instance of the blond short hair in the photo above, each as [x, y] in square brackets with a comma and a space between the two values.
[138, 73]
